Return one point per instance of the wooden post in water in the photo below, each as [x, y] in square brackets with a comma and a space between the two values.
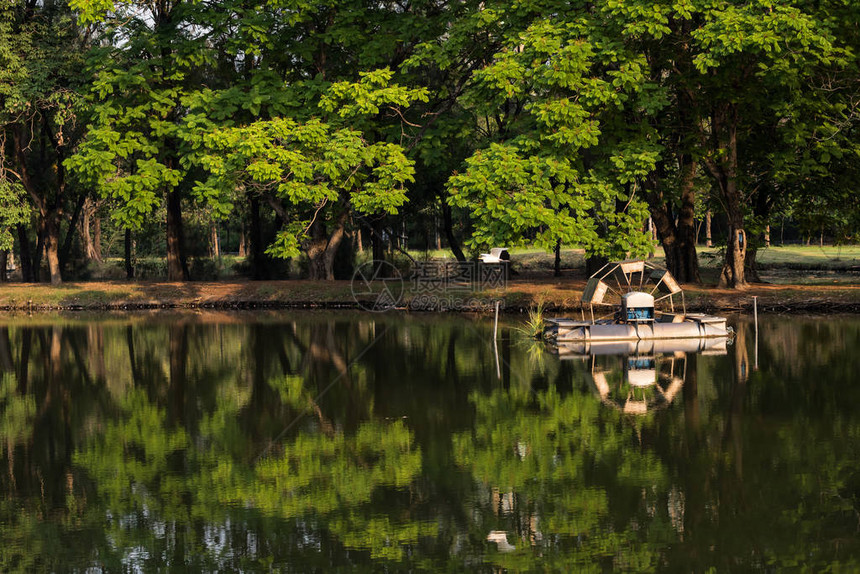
[495, 342]
[755, 319]
[755, 312]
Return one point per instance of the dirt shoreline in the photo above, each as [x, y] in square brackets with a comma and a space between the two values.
[557, 295]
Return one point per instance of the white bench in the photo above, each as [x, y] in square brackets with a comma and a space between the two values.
[496, 255]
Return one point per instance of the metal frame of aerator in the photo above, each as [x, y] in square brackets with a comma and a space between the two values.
[598, 285]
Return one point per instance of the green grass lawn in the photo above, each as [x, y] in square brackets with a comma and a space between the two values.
[789, 264]
[811, 255]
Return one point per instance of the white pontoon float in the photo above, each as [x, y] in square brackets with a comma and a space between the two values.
[633, 289]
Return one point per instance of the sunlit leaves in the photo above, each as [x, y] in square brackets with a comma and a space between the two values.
[13, 210]
[764, 29]
[91, 11]
[554, 178]
[373, 91]
[508, 193]
[305, 165]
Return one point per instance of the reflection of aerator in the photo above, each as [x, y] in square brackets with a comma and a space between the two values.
[641, 301]
[646, 382]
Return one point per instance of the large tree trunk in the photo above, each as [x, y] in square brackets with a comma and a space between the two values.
[763, 202]
[752, 265]
[90, 244]
[177, 269]
[448, 223]
[52, 248]
[40, 251]
[97, 238]
[665, 225]
[316, 250]
[129, 247]
[26, 258]
[334, 242]
[677, 235]
[259, 271]
[213, 240]
[84, 232]
[732, 274]
[687, 262]
[677, 239]
[724, 169]
[4, 260]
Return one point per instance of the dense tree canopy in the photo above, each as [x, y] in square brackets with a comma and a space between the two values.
[303, 130]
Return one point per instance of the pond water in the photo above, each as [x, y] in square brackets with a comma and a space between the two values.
[340, 442]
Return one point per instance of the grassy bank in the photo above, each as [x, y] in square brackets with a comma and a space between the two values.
[522, 293]
[797, 279]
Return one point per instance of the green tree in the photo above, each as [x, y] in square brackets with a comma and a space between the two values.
[567, 165]
[754, 60]
[314, 169]
[13, 212]
[40, 70]
[143, 72]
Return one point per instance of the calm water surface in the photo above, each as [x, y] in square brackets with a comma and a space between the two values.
[344, 442]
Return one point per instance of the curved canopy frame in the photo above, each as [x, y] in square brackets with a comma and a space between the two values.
[620, 277]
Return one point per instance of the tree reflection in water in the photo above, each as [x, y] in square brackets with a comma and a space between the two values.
[213, 442]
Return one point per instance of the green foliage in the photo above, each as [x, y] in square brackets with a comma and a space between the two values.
[306, 166]
[41, 74]
[538, 122]
[39, 67]
[133, 153]
[366, 97]
[567, 166]
[13, 211]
